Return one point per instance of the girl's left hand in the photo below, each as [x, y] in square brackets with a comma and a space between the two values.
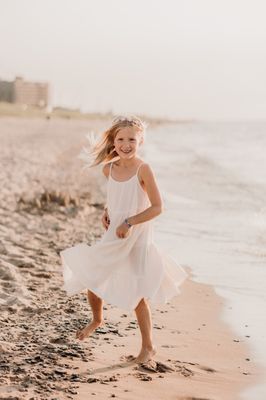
[122, 230]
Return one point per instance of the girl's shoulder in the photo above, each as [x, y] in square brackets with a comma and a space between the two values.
[144, 166]
[106, 169]
[145, 170]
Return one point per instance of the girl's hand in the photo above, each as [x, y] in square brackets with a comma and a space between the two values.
[122, 230]
[105, 219]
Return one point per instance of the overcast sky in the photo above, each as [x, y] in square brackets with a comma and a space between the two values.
[176, 58]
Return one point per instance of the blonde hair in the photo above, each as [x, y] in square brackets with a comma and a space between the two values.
[103, 150]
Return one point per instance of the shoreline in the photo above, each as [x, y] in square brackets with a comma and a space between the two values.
[40, 356]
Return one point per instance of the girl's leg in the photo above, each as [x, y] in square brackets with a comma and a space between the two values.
[143, 314]
[96, 304]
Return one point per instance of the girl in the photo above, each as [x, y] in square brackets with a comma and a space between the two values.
[125, 268]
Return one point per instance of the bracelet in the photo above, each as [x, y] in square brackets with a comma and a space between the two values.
[127, 223]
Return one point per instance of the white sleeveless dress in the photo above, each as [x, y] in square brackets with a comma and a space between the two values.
[122, 271]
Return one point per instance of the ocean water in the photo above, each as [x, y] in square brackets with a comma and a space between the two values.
[212, 177]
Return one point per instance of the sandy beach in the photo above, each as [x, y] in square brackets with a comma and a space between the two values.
[46, 205]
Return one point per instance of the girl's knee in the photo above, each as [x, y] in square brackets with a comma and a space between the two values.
[93, 296]
[143, 303]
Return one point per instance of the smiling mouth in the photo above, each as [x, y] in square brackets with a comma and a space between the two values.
[126, 152]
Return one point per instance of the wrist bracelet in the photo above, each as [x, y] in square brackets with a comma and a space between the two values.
[127, 223]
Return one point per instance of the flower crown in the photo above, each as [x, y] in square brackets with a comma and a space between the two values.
[131, 120]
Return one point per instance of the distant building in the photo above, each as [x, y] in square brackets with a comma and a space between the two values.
[23, 92]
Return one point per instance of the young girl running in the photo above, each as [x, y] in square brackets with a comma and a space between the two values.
[125, 267]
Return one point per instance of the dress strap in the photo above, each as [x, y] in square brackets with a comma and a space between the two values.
[111, 164]
[139, 168]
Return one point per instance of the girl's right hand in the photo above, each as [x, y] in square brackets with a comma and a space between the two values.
[105, 219]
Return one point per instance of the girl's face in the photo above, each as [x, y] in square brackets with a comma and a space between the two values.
[127, 142]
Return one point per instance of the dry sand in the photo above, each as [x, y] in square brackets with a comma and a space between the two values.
[47, 205]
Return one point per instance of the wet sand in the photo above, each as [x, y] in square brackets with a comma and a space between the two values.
[46, 205]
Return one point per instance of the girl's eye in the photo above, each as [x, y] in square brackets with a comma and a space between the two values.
[132, 140]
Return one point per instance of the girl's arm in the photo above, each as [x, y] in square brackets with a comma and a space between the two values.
[156, 208]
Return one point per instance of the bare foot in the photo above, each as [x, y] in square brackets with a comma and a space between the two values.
[145, 355]
[88, 330]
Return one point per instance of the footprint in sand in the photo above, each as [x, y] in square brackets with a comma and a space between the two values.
[184, 371]
[188, 372]
[154, 366]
